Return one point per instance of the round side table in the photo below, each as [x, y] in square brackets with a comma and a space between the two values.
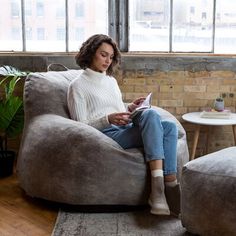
[194, 117]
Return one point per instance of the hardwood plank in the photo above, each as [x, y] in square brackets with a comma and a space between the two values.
[22, 215]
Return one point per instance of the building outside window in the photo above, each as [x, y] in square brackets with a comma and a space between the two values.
[60, 12]
[79, 9]
[61, 34]
[29, 33]
[40, 33]
[79, 34]
[225, 31]
[207, 26]
[16, 33]
[15, 8]
[28, 8]
[149, 25]
[192, 30]
[40, 8]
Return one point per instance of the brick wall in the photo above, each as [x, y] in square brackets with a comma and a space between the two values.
[180, 84]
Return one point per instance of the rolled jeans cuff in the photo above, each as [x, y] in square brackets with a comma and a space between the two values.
[153, 158]
[169, 172]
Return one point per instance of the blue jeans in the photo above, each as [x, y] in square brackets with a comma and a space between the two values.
[157, 137]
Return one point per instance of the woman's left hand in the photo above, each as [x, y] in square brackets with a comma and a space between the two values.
[136, 103]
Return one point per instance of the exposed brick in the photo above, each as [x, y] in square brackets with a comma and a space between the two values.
[222, 74]
[134, 81]
[195, 103]
[228, 81]
[127, 88]
[194, 88]
[219, 88]
[145, 88]
[181, 110]
[171, 88]
[171, 103]
[198, 74]
[157, 81]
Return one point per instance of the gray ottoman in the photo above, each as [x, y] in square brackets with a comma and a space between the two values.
[208, 201]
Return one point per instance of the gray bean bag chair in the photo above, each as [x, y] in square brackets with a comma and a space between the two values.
[209, 194]
[70, 162]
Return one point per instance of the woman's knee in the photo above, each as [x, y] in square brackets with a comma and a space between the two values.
[170, 127]
[151, 114]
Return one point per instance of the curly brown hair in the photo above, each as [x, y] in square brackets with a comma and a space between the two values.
[89, 47]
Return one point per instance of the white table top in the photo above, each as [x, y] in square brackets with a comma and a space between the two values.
[194, 117]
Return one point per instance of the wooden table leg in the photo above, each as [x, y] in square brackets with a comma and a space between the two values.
[195, 141]
[209, 129]
[234, 132]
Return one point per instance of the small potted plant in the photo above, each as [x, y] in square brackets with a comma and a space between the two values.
[11, 115]
[219, 104]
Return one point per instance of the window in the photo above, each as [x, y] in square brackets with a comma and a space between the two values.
[61, 34]
[207, 26]
[60, 13]
[225, 27]
[10, 26]
[79, 34]
[28, 8]
[192, 10]
[28, 33]
[192, 32]
[86, 17]
[149, 25]
[40, 33]
[40, 8]
[15, 8]
[79, 9]
[191, 29]
[16, 33]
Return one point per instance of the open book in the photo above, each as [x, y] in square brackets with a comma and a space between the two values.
[143, 106]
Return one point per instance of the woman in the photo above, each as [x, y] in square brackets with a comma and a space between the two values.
[95, 99]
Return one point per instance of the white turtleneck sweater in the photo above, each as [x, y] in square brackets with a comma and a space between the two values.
[92, 96]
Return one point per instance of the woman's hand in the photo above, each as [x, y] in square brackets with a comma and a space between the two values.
[119, 118]
[136, 103]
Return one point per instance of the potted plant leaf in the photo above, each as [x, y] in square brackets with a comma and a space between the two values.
[11, 115]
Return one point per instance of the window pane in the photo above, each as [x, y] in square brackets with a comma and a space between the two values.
[149, 25]
[28, 7]
[86, 17]
[225, 34]
[10, 26]
[45, 27]
[40, 7]
[192, 25]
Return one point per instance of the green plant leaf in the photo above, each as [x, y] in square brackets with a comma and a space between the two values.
[11, 106]
[11, 116]
[11, 71]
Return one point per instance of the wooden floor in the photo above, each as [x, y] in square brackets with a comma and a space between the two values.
[21, 215]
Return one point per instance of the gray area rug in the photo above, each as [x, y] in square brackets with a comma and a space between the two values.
[137, 223]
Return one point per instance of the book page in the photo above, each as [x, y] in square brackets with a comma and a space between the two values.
[147, 101]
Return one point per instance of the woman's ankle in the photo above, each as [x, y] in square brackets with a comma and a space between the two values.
[170, 178]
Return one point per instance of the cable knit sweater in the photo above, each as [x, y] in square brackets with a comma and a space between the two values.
[92, 97]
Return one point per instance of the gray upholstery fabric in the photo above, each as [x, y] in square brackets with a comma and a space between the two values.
[70, 162]
[209, 194]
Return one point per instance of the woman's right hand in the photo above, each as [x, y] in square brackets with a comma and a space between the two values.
[136, 103]
[121, 118]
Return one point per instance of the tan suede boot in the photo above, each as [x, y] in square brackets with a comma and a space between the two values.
[157, 199]
[173, 198]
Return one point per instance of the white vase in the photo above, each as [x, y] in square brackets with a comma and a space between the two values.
[219, 105]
